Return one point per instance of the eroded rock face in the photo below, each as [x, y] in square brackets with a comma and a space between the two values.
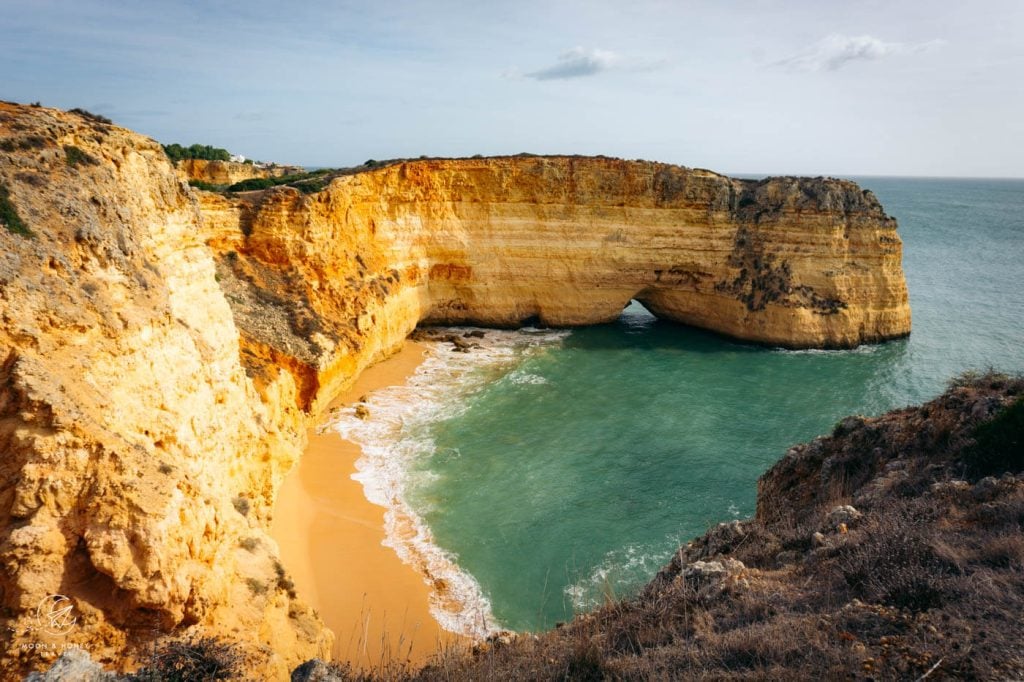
[563, 241]
[163, 350]
[228, 172]
[127, 423]
[571, 241]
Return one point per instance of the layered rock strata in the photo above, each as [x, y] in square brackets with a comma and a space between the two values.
[164, 350]
[559, 241]
[138, 462]
[229, 172]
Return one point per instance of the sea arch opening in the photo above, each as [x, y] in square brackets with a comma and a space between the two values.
[635, 312]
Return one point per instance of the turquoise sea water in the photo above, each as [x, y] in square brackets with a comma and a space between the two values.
[556, 469]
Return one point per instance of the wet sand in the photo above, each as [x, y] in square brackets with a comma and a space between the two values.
[330, 537]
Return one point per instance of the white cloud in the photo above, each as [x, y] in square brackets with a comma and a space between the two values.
[836, 51]
[580, 62]
[577, 63]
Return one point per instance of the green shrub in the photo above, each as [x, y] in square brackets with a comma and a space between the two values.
[307, 183]
[176, 152]
[253, 183]
[29, 142]
[310, 187]
[76, 157]
[9, 216]
[205, 186]
[283, 581]
[91, 116]
[998, 443]
[255, 586]
[31, 178]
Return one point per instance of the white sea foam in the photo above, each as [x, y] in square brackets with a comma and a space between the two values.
[620, 572]
[521, 377]
[863, 349]
[395, 436]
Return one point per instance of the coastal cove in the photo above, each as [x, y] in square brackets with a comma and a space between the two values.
[167, 351]
[527, 467]
[511, 341]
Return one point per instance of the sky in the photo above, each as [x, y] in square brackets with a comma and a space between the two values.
[843, 87]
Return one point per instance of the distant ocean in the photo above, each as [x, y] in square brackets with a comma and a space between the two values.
[556, 469]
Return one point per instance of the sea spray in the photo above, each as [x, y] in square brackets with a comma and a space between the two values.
[619, 574]
[396, 435]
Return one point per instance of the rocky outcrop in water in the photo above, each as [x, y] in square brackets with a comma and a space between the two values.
[164, 350]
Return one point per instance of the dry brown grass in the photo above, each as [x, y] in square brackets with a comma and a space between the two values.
[192, 660]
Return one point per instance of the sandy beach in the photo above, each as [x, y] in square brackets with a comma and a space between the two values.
[331, 538]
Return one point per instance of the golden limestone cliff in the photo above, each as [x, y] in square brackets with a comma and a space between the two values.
[164, 350]
[560, 241]
[138, 463]
[228, 172]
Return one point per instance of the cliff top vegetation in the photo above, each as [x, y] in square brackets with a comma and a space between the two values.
[176, 152]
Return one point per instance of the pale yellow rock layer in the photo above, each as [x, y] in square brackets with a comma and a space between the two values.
[228, 172]
[163, 351]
